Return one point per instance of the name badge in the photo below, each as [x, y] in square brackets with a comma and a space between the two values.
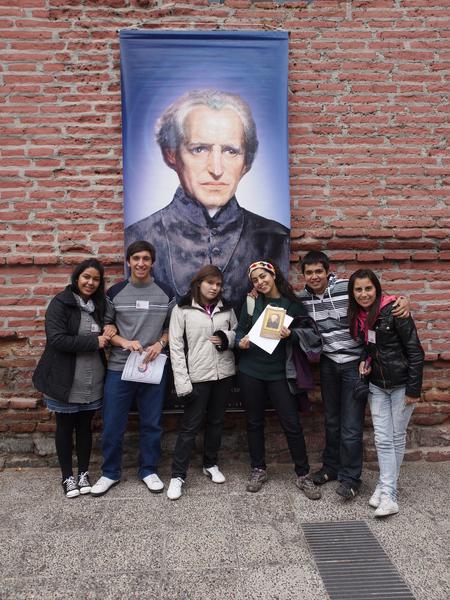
[372, 336]
[142, 304]
[95, 328]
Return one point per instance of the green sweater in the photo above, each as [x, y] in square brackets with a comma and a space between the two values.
[255, 361]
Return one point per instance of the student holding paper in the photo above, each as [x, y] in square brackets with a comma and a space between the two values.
[71, 370]
[142, 311]
[202, 333]
[262, 374]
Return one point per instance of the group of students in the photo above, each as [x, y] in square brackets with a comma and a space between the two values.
[364, 334]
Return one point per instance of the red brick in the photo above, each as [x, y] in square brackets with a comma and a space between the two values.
[22, 427]
[22, 403]
[369, 180]
[438, 455]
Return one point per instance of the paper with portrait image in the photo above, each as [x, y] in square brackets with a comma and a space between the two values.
[266, 344]
[135, 370]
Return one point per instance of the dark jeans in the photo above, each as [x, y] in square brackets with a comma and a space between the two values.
[254, 392]
[208, 399]
[66, 423]
[344, 420]
[117, 401]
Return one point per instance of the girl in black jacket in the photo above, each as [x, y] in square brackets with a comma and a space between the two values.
[71, 370]
[393, 361]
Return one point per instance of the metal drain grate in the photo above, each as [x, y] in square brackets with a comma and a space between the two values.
[352, 563]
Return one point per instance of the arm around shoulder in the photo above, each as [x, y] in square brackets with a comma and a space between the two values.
[401, 307]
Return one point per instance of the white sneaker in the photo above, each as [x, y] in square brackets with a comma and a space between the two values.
[375, 498]
[175, 488]
[84, 483]
[103, 485]
[214, 474]
[386, 507]
[154, 483]
[70, 487]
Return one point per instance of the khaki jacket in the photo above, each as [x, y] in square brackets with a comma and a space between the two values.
[194, 358]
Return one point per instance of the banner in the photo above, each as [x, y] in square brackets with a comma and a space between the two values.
[205, 152]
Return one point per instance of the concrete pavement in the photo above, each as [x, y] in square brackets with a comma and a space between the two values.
[216, 542]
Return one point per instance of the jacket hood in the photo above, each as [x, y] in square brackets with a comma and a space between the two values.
[66, 296]
[186, 301]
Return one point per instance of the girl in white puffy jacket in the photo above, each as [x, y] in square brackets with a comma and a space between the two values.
[201, 334]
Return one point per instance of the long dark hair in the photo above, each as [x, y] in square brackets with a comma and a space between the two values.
[283, 285]
[353, 306]
[205, 273]
[98, 297]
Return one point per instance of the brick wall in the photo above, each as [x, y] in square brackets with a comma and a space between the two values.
[369, 165]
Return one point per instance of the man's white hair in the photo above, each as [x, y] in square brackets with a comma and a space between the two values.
[169, 128]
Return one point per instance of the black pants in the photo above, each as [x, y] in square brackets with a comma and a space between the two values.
[208, 399]
[254, 393]
[66, 423]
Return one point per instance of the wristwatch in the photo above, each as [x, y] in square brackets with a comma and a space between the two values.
[163, 343]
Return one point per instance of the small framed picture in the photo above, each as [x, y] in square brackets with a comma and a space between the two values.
[272, 322]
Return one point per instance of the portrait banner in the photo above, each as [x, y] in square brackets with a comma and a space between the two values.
[205, 152]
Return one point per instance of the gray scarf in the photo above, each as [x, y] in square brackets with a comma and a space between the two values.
[88, 306]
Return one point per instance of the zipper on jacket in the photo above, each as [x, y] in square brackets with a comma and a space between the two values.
[381, 368]
[216, 358]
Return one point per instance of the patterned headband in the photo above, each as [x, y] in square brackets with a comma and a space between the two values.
[261, 264]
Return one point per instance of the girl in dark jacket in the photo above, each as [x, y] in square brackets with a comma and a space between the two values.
[71, 370]
[263, 375]
[393, 361]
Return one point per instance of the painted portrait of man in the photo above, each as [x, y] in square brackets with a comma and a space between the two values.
[205, 152]
[209, 138]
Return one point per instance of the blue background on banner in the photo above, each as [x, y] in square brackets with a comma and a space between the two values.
[159, 66]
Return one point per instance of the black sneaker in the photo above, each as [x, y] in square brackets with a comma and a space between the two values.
[322, 476]
[84, 485]
[347, 491]
[70, 487]
[256, 480]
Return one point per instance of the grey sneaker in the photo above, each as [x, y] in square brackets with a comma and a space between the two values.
[308, 487]
[256, 480]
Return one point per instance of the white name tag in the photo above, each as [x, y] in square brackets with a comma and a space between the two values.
[372, 336]
[142, 304]
[95, 328]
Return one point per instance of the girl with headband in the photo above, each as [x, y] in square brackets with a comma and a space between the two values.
[263, 375]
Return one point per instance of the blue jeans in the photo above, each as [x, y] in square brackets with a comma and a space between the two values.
[118, 398]
[390, 418]
[344, 420]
